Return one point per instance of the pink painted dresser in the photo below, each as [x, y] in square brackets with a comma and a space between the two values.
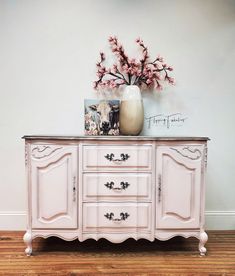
[115, 188]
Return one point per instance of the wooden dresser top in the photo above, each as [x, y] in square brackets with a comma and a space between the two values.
[115, 138]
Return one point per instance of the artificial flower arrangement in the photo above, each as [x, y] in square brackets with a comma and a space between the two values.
[130, 71]
[134, 74]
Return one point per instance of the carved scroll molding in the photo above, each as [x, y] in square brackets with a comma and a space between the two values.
[42, 151]
[174, 214]
[189, 152]
[67, 236]
[205, 156]
[26, 155]
[163, 235]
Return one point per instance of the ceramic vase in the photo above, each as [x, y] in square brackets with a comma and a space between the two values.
[131, 117]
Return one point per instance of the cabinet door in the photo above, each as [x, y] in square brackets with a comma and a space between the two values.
[178, 187]
[54, 186]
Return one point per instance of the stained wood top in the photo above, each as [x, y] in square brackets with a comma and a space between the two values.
[115, 138]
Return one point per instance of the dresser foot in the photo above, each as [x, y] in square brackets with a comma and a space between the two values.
[28, 242]
[203, 239]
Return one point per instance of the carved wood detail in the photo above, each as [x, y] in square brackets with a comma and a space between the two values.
[26, 154]
[42, 151]
[189, 152]
[164, 236]
[205, 156]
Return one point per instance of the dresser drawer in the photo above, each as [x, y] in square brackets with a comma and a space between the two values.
[116, 157]
[116, 217]
[116, 186]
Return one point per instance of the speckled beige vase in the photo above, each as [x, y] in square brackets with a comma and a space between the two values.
[131, 116]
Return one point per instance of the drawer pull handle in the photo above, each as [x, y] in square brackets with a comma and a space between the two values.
[111, 157]
[110, 185]
[159, 187]
[110, 216]
[74, 188]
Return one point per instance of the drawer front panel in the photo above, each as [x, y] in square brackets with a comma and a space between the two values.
[116, 157]
[116, 186]
[116, 217]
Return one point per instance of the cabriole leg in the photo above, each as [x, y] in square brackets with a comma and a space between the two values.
[203, 239]
[28, 243]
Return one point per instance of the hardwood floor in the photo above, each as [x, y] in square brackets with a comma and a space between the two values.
[177, 256]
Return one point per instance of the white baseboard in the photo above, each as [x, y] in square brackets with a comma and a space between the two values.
[13, 221]
[215, 220]
[220, 220]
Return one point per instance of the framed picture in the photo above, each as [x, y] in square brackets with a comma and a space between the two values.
[101, 117]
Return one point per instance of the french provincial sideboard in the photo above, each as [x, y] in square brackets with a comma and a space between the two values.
[119, 187]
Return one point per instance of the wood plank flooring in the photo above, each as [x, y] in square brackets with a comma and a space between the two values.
[177, 256]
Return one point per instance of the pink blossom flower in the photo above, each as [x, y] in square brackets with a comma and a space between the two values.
[171, 80]
[121, 82]
[158, 76]
[159, 87]
[160, 58]
[115, 68]
[99, 75]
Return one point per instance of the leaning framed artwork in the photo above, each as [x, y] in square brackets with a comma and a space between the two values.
[101, 117]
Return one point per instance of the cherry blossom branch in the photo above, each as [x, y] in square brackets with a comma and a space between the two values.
[130, 71]
[118, 77]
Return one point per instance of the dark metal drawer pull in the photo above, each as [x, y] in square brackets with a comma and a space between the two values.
[159, 187]
[111, 157]
[123, 216]
[110, 185]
